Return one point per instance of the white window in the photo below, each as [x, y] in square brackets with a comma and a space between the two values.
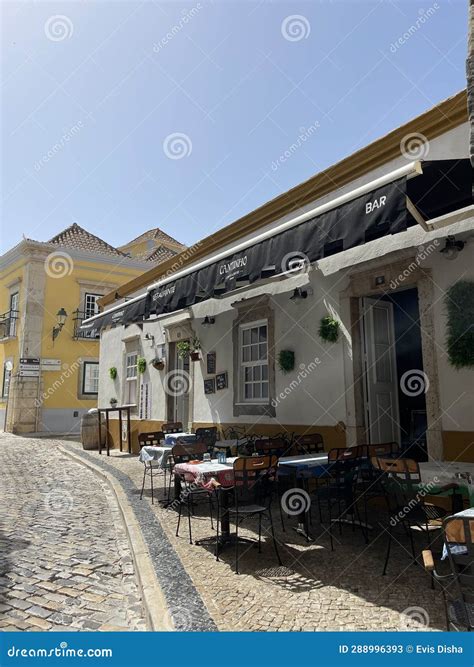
[131, 378]
[90, 378]
[254, 362]
[90, 304]
[6, 379]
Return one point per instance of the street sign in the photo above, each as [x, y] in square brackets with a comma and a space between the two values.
[29, 367]
[29, 373]
[51, 364]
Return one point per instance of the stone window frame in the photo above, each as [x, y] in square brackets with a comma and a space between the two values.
[253, 310]
[80, 393]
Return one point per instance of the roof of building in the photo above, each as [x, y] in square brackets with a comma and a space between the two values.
[155, 234]
[78, 238]
[445, 116]
[161, 254]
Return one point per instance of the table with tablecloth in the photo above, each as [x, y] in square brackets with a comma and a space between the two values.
[182, 437]
[158, 453]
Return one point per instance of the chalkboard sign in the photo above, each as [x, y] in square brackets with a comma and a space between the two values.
[211, 363]
[221, 380]
[209, 386]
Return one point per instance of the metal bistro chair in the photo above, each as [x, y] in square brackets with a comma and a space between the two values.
[369, 484]
[309, 443]
[404, 495]
[209, 436]
[337, 488]
[458, 585]
[153, 438]
[252, 496]
[183, 453]
[172, 427]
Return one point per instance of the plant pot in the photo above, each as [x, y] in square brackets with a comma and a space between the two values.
[159, 365]
[195, 356]
[113, 404]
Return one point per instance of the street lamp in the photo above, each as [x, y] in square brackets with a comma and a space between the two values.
[61, 315]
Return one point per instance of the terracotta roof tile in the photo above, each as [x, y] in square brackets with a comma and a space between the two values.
[155, 234]
[80, 239]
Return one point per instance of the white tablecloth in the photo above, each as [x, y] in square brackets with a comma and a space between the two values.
[172, 438]
[155, 453]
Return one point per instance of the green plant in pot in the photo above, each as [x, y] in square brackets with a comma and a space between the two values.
[113, 402]
[141, 364]
[112, 373]
[286, 360]
[459, 302]
[183, 348]
[329, 329]
[195, 348]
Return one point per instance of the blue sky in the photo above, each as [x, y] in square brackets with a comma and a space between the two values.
[96, 98]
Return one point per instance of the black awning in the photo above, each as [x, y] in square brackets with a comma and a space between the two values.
[380, 212]
[128, 313]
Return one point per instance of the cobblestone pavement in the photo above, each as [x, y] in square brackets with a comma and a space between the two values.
[65, 562]
[316, 589]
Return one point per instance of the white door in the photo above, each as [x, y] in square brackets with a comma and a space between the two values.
[180, 383]
[380, 372]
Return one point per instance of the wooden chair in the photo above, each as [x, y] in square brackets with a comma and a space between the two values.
[153, 438]
[207, 435]
[309, 443]
[251, 496]
[458, 585]
[172, 427]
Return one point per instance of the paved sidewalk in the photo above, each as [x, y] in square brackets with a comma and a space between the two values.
[65, 562]
[316, 589]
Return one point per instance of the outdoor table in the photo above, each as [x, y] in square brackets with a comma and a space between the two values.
[201, 473]
[447, 472]
[174, 438]
[158, 453]
[296, 465]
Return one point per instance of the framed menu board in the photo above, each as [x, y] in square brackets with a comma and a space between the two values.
[221, 380]
[211, 363]
[209, 386]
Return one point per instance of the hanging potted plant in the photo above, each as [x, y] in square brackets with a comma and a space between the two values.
[141, 364]
[183, 348]
[286, 360]
[329, 329]
[195, 347]
[158, 363]
[112, 373]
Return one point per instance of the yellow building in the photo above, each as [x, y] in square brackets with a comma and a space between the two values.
[48, 366]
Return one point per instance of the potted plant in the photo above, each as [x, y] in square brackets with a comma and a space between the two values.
[195, 347]
[141, 364]
[112, 373]
[158, 363]
[113, 402]
[286, 360]
[183, 348]
[329, 329]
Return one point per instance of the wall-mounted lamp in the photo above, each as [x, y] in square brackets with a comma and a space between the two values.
[299, 294]
[62, 316]
[151, 338]
[207, 321]
[452, 248]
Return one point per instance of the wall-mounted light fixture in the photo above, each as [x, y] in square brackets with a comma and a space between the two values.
[62, 316]
[452, 248]
[299, 294]
[208, 320]
[151, 338]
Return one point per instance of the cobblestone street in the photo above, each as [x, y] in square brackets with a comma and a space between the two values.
[315, 589]
[65, 562]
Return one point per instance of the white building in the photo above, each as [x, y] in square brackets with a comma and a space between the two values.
[366, 243]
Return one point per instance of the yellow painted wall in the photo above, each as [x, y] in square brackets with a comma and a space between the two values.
[9, 348]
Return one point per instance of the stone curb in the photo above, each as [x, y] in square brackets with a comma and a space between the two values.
[154, 602]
